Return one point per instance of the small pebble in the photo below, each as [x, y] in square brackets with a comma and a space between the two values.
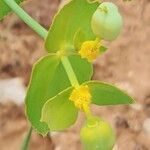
[13, 90]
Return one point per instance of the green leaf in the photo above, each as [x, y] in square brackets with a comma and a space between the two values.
[106, 94]
[73, 16]
[48, 79]
[4, 9]
[59, 112]
[38, 91]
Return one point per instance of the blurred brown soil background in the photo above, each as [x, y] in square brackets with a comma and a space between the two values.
[125, 64]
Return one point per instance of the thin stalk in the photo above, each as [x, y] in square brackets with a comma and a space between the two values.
[26, 18]
[69, 70]
[26, 140]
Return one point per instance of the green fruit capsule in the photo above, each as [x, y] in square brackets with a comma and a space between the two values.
[97, 135]
[106, 21]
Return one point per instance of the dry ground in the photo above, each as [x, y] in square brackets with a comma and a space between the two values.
[126, 64]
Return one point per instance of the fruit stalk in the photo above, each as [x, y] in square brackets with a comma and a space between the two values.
[69, 70]
[26, 140]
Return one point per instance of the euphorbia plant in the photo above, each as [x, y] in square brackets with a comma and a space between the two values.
[60, 84]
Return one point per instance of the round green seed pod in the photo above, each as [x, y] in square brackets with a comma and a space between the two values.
[97, 135]
[106, 21]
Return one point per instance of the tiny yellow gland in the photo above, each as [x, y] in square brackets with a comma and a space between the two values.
[81, 97]
[90, 50]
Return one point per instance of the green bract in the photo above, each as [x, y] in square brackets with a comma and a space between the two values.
[4, 9]
[107, 94]
[60, 105]
[59, 112]
[47, 80]
[97, 135]
[72, 18]
[106, 21]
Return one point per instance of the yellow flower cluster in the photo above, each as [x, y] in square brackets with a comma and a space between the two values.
[90, 50]
[81, 97]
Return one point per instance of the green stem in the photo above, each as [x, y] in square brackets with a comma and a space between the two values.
[69, 71]
[26, 18]
[26, 140]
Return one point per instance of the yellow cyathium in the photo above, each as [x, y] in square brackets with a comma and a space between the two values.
[81, 97]
[90, 50]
